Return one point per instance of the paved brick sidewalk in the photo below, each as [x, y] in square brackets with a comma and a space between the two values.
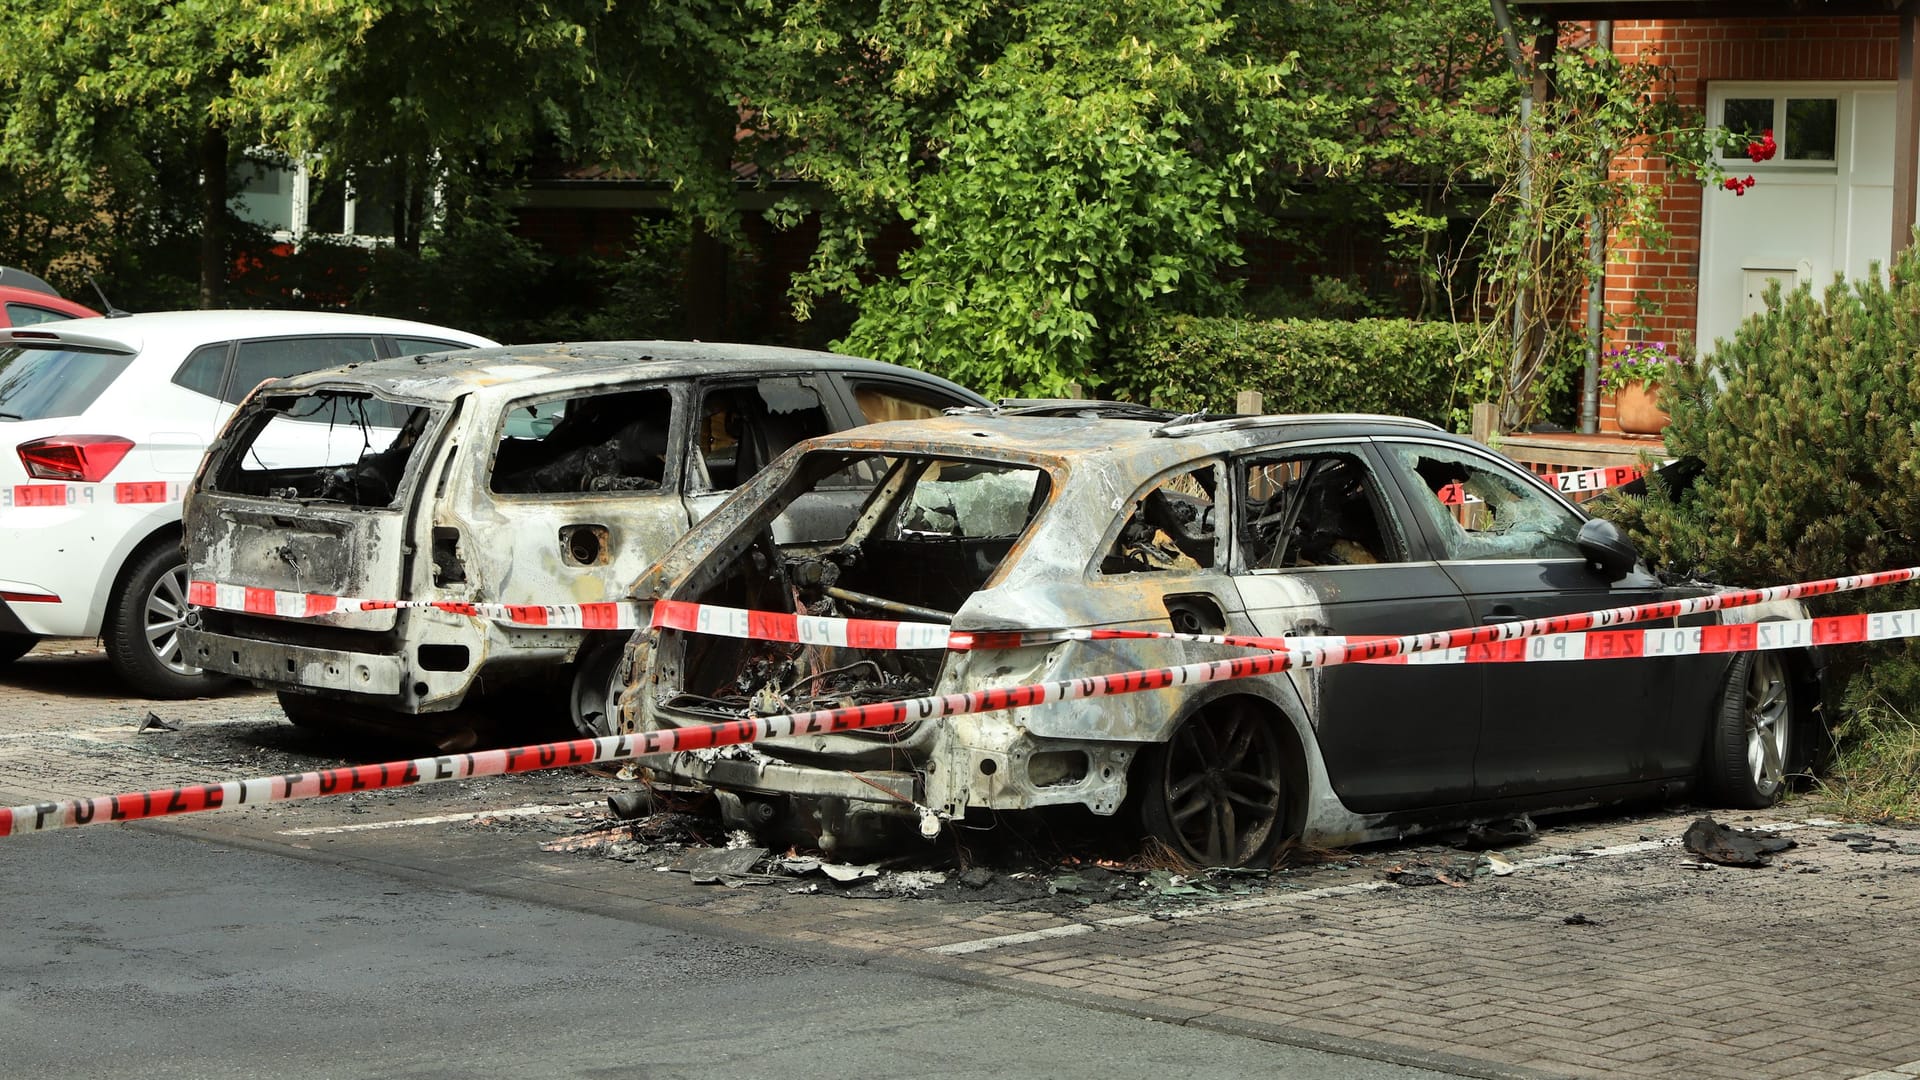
[1604, 953]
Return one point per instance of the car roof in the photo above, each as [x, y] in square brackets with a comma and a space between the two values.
[1150, 441]
[516, 368]
[52, 301]
[138, 333]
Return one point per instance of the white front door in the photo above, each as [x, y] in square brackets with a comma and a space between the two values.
[1822, 206]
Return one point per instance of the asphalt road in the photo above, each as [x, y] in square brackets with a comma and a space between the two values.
[132, 952]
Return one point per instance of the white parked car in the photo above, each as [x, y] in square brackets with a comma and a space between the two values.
[106, 420]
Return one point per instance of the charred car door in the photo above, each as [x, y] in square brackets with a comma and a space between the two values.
[1320, 549]
[742, 425]
[581, 497]
[1511, 545]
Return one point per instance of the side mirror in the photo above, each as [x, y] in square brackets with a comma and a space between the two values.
[1608, 549]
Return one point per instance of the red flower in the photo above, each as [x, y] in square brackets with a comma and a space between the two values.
[1764, 148]
[1737, 185]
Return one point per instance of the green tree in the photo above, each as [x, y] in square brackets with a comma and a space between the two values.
[1063, 169]
[99, 96]
[1403, 108]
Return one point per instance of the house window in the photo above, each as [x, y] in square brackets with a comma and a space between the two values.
[1810, 127]
[292, 201]
[1805, 127]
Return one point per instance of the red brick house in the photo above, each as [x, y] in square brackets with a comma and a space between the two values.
[1834, 80]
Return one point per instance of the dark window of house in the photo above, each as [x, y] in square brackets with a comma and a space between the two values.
[1747, 118]
[1812, 124]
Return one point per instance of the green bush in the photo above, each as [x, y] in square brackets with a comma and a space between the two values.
[1393, 366]
[1806, 425]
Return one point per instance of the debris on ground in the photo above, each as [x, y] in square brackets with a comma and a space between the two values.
[152, 722]
[1869, 843]
[1726, 846]
[1415, 874]
[1506, 832]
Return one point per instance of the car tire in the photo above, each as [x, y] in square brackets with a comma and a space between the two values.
[593, 698]
[15, 646]
[142, 628]
[1749, 747]
[309, 713]
[1215, 793]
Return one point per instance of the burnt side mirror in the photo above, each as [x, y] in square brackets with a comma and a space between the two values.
[1606, 547]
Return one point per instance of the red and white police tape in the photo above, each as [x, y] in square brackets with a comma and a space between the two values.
[43, 816]
[597, 615]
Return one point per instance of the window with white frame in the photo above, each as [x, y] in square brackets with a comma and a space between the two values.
[1806, 124]
[288, 198]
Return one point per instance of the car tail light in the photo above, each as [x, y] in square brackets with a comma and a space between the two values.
[84, 459]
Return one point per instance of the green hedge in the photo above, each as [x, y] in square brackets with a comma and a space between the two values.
[1393, 366]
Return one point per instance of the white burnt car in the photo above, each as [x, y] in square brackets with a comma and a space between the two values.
[537, 475]
[1283, 525]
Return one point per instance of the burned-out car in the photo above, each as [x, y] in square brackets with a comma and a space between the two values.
[532, 475]
[1278, 526]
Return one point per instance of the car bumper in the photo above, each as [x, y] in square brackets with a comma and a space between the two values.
[298, 667]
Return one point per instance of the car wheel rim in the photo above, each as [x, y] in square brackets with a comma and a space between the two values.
[595, 697]
[166, 613]
[1769, 716]
[1222, 787]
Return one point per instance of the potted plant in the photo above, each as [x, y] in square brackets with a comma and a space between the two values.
[1633, 373]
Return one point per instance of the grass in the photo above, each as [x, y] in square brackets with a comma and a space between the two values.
[1875, 775]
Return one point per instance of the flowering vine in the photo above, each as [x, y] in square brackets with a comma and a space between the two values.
[1758, 150]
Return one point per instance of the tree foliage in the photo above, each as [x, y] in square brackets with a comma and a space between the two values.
[1063, 169]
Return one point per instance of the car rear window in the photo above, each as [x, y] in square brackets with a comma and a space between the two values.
[39, 383]
[327, 446]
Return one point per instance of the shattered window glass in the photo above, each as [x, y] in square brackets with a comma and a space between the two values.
[587, 443]
[1312, 510]
[1171, 527]
[742, 428]
[1482, 511]
[329, 446]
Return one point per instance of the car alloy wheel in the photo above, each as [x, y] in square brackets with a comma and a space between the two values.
[1216, 790]
[1749, 757]
[142, 631]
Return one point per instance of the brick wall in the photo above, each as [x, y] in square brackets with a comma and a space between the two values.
[1698, 51]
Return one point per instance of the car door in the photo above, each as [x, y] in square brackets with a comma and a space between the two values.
[740, 425]
[1510, 543]
[580, 494]
[1321, 548]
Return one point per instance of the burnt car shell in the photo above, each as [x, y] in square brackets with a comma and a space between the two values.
[1149, 525]
[538, 475]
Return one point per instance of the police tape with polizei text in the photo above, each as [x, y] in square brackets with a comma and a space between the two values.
[45, 816]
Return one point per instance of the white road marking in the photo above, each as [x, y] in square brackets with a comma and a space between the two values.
[961, 948]
[438, 819]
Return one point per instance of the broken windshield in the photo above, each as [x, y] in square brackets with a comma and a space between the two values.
[876, 538]
[328, 446]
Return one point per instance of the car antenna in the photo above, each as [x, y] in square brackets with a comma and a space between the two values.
[112, 312]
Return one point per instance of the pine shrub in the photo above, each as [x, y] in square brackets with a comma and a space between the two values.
[1806, 425]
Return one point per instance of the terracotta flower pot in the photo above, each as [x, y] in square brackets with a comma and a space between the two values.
[1637, 409]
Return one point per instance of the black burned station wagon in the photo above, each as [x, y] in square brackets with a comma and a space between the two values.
[1113, 517]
